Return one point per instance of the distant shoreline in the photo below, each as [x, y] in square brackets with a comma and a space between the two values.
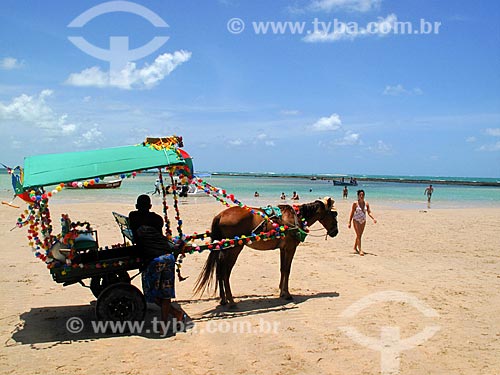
[369, 179]
[330, 177]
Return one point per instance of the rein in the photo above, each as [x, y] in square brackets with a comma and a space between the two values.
[319, 235]
[317, 230]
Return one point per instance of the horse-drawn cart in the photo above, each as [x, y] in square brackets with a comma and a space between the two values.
[106, 272]
[75, 256]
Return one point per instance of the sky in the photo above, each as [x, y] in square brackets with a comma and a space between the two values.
[305, 86]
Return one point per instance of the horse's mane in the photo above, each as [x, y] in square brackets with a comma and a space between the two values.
[309, 209]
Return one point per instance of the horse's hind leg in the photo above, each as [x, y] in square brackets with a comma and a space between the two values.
[230, 258]
[286, 255]
[219, 275]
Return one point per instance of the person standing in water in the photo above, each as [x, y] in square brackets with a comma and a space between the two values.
[428, 191]
[358, 217]
[345, 192]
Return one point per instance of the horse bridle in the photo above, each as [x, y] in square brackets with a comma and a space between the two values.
[321, 229]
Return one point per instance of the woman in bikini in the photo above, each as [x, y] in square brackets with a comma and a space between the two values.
[358, 214]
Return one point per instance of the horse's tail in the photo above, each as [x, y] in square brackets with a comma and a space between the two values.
[204, 281]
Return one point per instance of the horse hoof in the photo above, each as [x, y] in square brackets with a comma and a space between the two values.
[287, 297]
[223, 303]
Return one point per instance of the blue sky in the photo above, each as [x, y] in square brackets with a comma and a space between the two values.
[322, 101]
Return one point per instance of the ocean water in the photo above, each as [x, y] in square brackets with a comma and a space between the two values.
[389, 194]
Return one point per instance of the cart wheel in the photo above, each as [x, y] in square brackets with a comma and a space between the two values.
[99, 283]
[121, 302]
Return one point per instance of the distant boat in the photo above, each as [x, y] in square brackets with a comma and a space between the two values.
[345, 183]
[314, 178]
[98, 185]
[191, 191]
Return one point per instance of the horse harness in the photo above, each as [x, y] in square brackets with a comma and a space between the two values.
[274, 212]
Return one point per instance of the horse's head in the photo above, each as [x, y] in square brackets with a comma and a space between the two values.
[328, 216]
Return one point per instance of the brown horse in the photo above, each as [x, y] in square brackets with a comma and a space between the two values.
[238, 221]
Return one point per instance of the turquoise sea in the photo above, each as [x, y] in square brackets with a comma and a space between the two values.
[389, 194]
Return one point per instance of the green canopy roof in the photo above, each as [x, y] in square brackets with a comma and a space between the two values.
[51, 169]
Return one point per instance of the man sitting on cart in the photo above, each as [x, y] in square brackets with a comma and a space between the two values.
[159, 267]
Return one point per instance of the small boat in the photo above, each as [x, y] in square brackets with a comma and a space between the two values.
[192, 191]
[345, 183]
[113, 184]
[105, 185]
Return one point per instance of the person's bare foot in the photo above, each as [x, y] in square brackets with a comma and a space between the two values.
[361, 253]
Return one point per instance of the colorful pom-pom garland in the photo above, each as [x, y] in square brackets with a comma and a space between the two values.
[41, 239]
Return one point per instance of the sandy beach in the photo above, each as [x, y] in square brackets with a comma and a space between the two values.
[445, 260]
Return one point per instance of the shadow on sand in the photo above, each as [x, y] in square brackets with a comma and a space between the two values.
[258, 304]
[49, 325]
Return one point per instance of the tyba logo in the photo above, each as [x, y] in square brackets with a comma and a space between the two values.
[119, 53]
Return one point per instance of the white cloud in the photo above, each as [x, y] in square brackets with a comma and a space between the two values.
[34, 110]
[470, 139]
[490, 147]
[395, 90]
[330, 32]
[262, 138]
[381, 148]
[10, 63]
[327, 123]
[16, 144]
[348, 5]
[399, 89]
[334, 123]
[131, 77]
[495, 132]
[65, 127]
[235, 142]
[91, 136]
[349, 139]
[87, 99]
[290, 112]
[90, 77]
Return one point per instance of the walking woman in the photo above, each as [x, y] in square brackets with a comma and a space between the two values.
[358, 215]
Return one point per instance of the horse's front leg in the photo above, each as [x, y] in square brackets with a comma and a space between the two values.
[282, 262]
[286, 253]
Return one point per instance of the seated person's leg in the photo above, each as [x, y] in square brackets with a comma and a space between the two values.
[158, 285]
[158, 278]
